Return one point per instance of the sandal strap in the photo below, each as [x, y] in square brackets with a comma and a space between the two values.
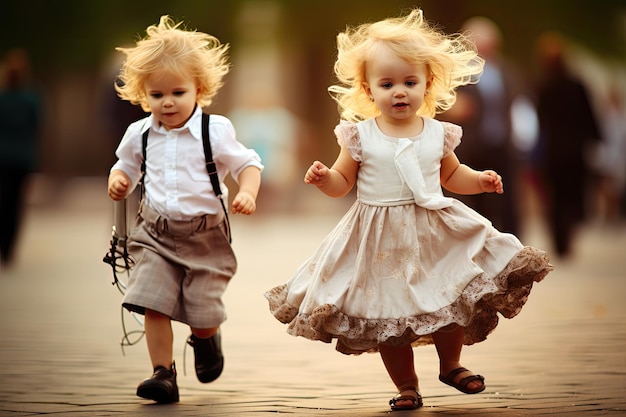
[465, 381]
[453, 373]
[415, 400]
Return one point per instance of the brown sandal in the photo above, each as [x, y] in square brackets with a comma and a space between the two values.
[416, 402]
[463, 383]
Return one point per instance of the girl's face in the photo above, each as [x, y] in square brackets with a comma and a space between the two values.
[171, 99]
[396, 86]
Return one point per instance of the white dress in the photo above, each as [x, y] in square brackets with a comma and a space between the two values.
[405, 260]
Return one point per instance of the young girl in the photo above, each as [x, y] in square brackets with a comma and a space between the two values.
[180, 242]
[405, 266]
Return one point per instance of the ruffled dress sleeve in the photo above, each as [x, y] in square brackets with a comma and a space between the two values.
[348, 134]
[451, 137]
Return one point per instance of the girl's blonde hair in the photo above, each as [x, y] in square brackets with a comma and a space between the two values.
[452, 61]
[166, 48]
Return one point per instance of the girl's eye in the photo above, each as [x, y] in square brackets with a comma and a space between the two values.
[179, 93]
[156, 95]
[386, 85]
[410, 83]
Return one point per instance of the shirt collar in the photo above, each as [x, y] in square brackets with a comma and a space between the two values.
[193, 125]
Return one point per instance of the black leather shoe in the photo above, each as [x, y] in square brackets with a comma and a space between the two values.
[209, 359]
[161, 386]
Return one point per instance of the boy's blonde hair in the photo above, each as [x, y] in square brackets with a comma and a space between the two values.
[452, 61]
[170, 49]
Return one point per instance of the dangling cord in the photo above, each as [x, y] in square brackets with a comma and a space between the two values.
[120, 261]
[126, 341]
[185, 356]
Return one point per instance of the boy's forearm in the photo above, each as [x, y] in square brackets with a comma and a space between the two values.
[250, 181]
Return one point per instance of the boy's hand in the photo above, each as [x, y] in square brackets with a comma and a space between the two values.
[118, 185]
[244, 203]
[491, 182]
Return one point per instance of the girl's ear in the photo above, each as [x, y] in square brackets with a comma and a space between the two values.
[429, 83]
[367, 89]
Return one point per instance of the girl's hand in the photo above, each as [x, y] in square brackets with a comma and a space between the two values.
[490, 182]
[317, 174]
[244, 203]
[118, 186]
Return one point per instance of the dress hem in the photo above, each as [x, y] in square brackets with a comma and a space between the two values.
[476, 309]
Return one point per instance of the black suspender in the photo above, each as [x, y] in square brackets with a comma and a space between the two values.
[208, 156]
[210, 165]
[212, 169]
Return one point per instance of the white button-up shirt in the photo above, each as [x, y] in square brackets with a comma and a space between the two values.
[177, 183]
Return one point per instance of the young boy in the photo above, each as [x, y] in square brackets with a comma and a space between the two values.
[181, 240]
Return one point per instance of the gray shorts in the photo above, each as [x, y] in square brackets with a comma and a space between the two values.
[181, 268]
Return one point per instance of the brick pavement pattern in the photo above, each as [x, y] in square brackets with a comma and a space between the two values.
[60, 331]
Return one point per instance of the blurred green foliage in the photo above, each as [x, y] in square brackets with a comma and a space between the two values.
[72, 43]
[70, 35]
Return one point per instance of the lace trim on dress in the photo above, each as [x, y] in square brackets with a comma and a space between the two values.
[476, 309]
[348, 134]
[451, 137]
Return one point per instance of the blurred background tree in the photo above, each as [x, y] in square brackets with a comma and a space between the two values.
[72, 46]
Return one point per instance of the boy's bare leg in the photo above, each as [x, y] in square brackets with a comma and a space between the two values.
[160, 338]
[204, 333]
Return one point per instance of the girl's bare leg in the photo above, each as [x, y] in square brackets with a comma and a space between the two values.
[449, 344]
[160, 338]
[400, 365]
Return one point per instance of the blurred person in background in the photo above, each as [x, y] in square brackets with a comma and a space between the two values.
[118, 114]
[485, 112]
[610, 158]
[568, 129]
[20, 114]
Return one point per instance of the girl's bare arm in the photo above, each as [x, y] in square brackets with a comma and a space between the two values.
[461, 179]
[336, 181]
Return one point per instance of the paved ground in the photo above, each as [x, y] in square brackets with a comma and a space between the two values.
[60, 332]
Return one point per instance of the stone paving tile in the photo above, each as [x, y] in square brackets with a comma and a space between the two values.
[60, 355]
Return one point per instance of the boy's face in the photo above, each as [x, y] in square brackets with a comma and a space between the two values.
[171, 99]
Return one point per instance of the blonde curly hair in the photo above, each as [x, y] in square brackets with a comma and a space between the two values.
[170, 49]
[452, 61]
